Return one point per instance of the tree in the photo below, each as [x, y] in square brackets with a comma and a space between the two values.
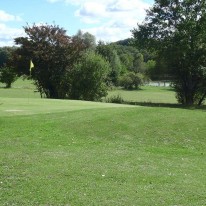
[150, 68]
[88, 39]
[3, 56]
[110, 54]
[130, 57]
[138, 63]
[89, 77]
[7, 75]
[177, 30]
[7, 71]
[53, 53]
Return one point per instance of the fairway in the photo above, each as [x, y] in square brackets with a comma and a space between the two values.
[147, 94]
[28, 106]
[63, 152]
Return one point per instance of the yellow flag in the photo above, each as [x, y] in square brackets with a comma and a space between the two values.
[31, 65]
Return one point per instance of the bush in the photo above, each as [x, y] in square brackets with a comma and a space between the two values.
[115, 99]
[132, 80]
[7, 75]
[89, 77]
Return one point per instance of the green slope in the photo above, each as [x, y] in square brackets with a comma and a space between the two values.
[58, 152]
[26, 106]
[84, 153]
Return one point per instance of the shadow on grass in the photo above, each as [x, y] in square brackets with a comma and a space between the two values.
[1, 87]
[168, 89]
[167, 105]
[131, 89]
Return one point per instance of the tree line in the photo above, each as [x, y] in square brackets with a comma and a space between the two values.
[72, 67]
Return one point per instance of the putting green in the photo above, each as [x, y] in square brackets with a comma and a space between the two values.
[29, 106]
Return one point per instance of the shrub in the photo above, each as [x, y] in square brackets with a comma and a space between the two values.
[89, 77]
[132, 80]
[115, 99]
[7, 75]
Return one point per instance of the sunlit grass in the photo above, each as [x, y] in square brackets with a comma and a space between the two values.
[149, 94]
[63, 152]
[22, 88]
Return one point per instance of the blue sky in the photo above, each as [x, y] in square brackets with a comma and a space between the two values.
[108, 20]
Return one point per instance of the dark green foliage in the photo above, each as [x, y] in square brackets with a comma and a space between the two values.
[53, 54]
[62, 69]
[110, 54]
[88, 39]
[132, 80]
[89, 77]
[7, 75]
[116, 67]
[177, 30]
[3, 56]
[195, 92]
[157, 70]
[138, 63]
[123, 58]
[125, 42]
[7, 71]
[131, 58]
[150, 66]
[6, 55]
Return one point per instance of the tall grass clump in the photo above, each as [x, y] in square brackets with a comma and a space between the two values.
[115, 99]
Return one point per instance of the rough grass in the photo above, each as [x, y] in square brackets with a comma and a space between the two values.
[57, 152]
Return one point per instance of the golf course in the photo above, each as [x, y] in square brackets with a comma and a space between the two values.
[67, 152]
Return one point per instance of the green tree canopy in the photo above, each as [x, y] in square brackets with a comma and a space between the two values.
[7, 75]
[132, 80]
[89, 77]
[130, 57]
[87, 39]
[3, 56]
[177, 30]
[110, 54]
[7, 71]
[53, 53]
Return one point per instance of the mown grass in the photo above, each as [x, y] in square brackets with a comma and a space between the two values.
[22, 88]
[57, 152]
[147, 94]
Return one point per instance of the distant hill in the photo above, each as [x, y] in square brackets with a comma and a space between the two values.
[125, 42]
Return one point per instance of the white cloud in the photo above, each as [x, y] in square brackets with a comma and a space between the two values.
[115, 18]
[5, 17]
[109, 33]
[91, 9]
[7, 34]
[53, 1]
[127, 5]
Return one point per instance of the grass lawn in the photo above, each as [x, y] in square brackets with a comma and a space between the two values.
[147, 94]
[20, 89]
[57, 152]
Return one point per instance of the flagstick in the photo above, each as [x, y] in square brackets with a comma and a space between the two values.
[29, 89]
[30, 68]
